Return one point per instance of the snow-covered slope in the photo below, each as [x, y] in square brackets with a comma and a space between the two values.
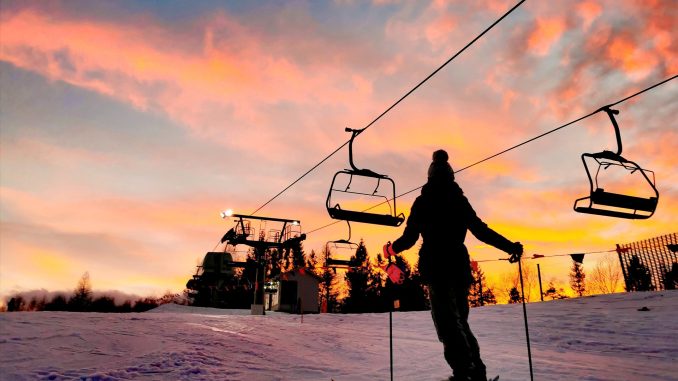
[593, 338]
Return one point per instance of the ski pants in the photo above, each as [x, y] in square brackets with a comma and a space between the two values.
[449, 308]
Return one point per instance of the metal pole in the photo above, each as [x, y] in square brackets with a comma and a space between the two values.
[390, 335]
[256, 284]
[390, 318]
[389, 286]
[527, 332]
[541, 293]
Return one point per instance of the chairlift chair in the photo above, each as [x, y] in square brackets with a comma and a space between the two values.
[335, 263]
[286, 235]
[337, 212]
[340, 245]
[611, 204]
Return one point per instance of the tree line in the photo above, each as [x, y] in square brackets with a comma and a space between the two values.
[606, 277]
[638, 277]
[360, 287]
[82, 300]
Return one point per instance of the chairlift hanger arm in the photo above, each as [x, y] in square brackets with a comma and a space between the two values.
[363, 172]
[345, 241]
[354, 133]
[348, 240]
[611, 113]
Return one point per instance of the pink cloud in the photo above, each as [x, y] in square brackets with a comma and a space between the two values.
[437, 32]
[221, 89]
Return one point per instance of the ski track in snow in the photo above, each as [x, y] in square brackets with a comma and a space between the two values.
[594, 339]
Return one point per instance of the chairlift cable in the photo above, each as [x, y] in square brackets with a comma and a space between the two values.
[567, 124]
[393, 105]
[301, 177]
[640, 92]
[519, 144]
[442, 66]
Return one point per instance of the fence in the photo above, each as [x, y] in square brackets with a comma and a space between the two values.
[657, 254]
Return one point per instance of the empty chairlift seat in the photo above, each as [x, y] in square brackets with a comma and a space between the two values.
[377, 190]
[367, 216]
[343, 248]
[640, 204]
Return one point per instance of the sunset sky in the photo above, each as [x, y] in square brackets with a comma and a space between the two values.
[126, 127]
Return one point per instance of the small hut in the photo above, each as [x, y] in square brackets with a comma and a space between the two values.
[296, 292]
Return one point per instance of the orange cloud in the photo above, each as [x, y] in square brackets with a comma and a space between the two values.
[659, 32]
[546, 33]
[637, 63]
[661, 152]
[589, 12]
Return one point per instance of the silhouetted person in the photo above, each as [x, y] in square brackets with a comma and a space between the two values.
[442, 215]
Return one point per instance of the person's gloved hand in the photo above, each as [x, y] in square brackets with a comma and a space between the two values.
[388, 250]
[516, 252]
[395, 273]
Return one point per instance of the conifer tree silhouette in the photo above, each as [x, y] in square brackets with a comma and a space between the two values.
[578, 278]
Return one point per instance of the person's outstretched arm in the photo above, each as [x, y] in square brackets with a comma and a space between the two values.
[484, 233]
[411, 233]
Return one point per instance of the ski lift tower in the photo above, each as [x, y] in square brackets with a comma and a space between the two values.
[271, 233]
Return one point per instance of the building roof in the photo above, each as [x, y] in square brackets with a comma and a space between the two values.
[300, 272]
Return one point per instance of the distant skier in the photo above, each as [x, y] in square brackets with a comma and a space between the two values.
[442, 215]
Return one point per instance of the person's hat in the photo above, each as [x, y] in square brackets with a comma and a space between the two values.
[439, 167]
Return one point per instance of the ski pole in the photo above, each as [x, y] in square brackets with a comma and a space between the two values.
[395, 276]
[390, 335]
[390, 319]
[527, 332]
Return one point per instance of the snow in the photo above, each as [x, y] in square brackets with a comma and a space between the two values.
[592, 338]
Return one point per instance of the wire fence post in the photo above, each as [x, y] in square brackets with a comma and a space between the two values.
[541, 293]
